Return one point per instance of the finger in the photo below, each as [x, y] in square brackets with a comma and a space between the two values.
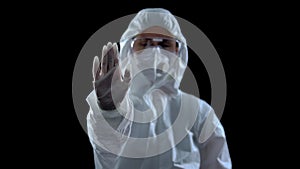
[96, 68]
[116, 54]
[110, 55]
[104, 61]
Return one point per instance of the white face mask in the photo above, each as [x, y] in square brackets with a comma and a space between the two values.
[157, 65]
[155, 76]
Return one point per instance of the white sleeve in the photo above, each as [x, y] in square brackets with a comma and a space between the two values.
[212, 142]
[100, 125]
[98, 119]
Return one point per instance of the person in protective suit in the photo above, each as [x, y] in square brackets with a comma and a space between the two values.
[138, 118]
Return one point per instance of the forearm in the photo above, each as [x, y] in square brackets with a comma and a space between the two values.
[214, 151]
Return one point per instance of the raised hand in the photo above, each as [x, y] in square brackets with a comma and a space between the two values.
[107, 78]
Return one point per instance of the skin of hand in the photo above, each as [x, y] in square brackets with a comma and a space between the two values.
[107, 77]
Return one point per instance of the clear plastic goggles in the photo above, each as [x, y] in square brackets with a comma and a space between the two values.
[170, 44]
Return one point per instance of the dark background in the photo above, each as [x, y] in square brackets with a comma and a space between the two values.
[47, 39]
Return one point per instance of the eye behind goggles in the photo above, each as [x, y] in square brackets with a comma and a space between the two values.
[170, 44]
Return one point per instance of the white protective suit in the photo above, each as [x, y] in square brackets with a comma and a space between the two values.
[156, 126]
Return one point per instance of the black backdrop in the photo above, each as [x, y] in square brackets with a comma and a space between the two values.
[52, 36]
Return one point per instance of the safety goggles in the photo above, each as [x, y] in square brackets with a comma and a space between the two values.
[170, 44]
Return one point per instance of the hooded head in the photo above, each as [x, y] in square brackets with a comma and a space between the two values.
[154, 22]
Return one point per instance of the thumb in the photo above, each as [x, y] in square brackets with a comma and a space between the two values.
[96, 68]
[126, 77]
